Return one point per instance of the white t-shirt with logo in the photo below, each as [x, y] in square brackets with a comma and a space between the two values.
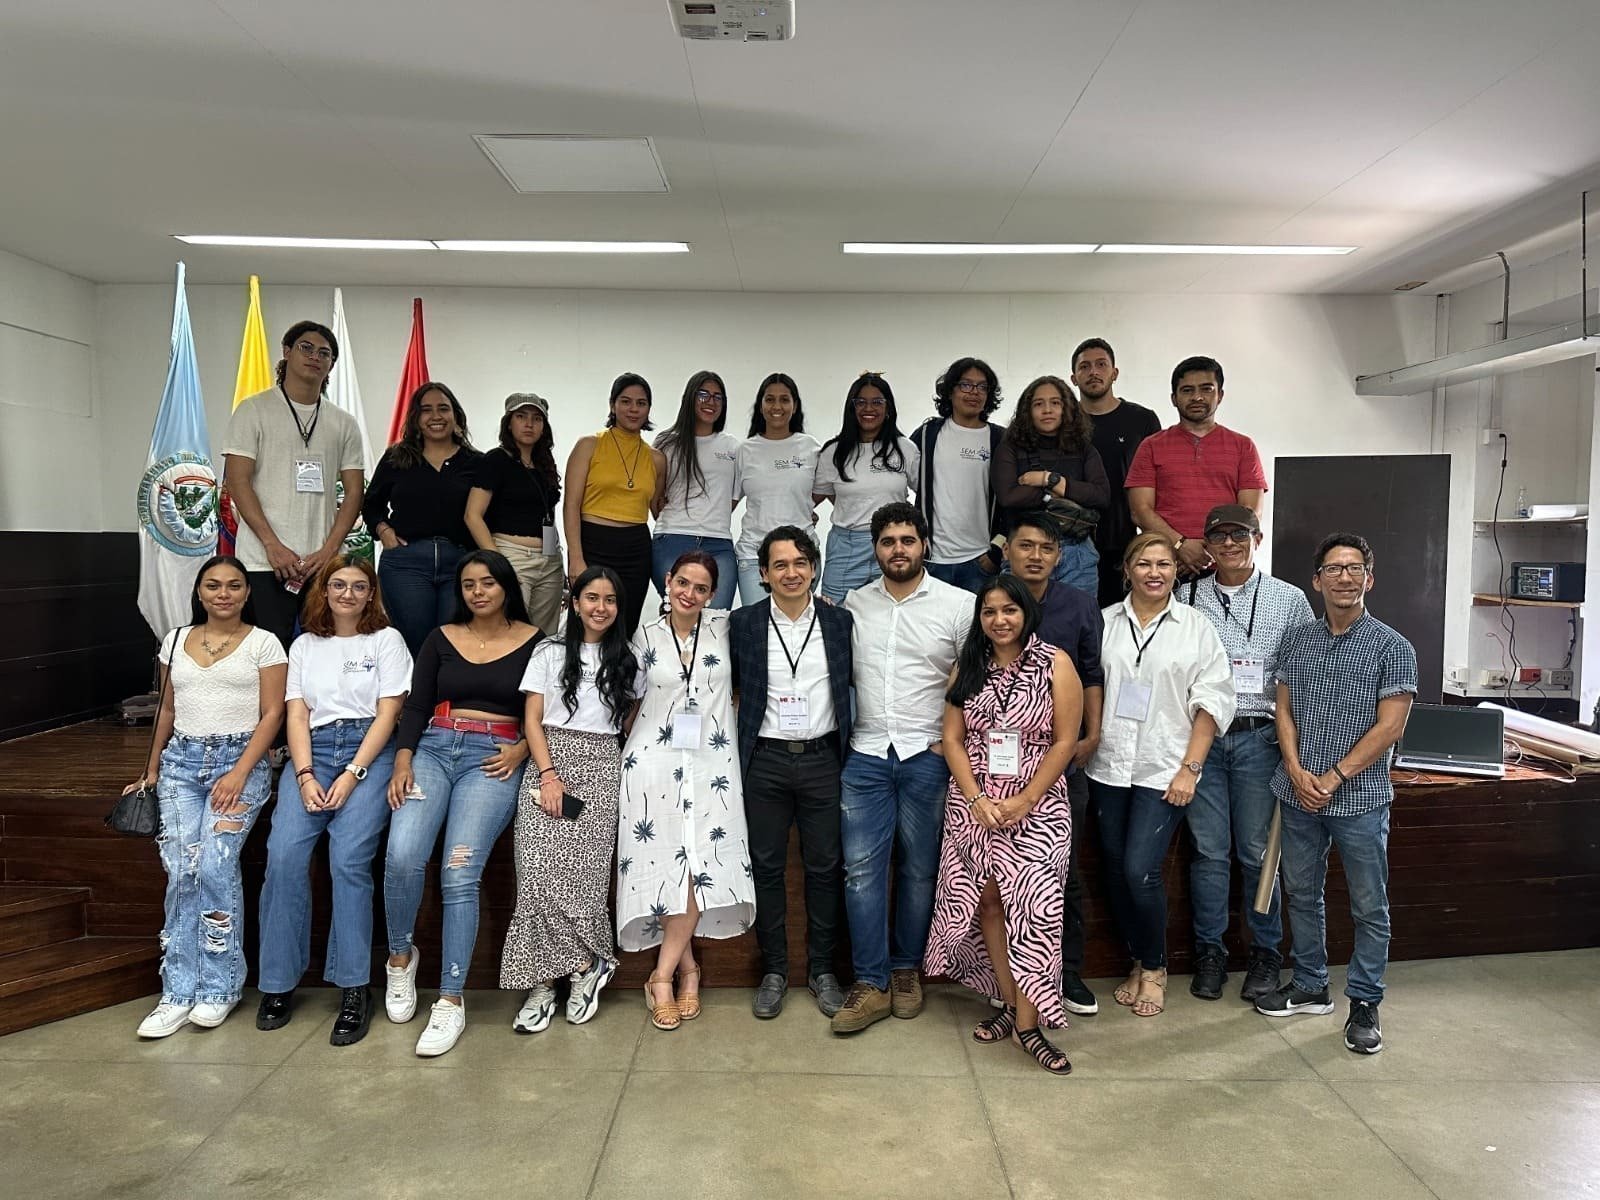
[702, 511]
[960, 494]
[774, 480]
[343, 678]
[871, 485]
[544, 677]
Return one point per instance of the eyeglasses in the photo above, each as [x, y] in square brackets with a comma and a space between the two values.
[870, 402]
[702, 394]
[973, 387]
[320, 353]
[359, 588]
[1334, 570]
[1218, 537]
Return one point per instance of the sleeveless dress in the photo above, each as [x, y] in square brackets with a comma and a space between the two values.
[1028, 862]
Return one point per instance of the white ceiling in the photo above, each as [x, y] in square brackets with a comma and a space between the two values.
[1427, 132]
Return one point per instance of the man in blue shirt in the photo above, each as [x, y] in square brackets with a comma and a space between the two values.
[1070, 621]
[1345, 686]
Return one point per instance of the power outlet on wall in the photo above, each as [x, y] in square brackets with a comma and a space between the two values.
[1558, 677]
[1492, 679]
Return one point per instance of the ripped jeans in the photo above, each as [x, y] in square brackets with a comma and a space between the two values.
[1136, 826]
[473, 810]
[202, 942]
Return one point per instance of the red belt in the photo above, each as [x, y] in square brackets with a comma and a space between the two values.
[505, 729]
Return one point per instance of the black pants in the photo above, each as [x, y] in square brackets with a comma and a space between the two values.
[277, 610]
[626, 550]
[1072, 894]
[784, 789]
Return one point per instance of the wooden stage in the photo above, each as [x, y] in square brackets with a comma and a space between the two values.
[1476, 867]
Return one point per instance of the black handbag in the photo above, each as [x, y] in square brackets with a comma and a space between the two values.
[138, 813]
[1076, 520]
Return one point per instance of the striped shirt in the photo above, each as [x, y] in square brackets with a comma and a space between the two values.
[1192, 475]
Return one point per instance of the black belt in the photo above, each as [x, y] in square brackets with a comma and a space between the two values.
[826, 742]
[1243, 723]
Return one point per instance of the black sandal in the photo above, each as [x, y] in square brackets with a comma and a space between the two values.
[1048, 1056]
[996, 1028]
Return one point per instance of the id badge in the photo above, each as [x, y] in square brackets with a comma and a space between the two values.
[550, 542]
[1005, 753]
[1133, 700]
[686, 731]
[308, 475]
[1249, 676]
[794, 714]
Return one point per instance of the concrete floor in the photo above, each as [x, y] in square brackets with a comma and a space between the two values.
[1489, 1087]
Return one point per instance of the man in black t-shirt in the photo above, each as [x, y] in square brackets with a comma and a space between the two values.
[1119, 427]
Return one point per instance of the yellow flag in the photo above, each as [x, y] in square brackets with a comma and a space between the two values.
[255, 365]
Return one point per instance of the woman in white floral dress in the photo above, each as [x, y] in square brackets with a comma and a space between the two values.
[683, 856]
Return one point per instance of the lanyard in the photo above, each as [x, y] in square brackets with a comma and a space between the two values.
[694, 652]
[1144, 645]
[536, 477]
[1227, 612]
[793, 659]
[305, 430]
[1016, 678]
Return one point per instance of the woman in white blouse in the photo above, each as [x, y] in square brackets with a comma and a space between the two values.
[697, 492]
[222, 702]
[349, 672]
[1169, 689]
[777, 466]
[867, 466]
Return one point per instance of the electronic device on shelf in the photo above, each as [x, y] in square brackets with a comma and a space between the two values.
[1554, 581]
[1454, 740]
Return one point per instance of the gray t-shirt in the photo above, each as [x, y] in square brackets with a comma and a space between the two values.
[295, 481]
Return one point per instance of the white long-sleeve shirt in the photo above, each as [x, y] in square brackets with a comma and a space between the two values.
[1187, 670]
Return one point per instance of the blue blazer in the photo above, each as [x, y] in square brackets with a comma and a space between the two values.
[749, 629]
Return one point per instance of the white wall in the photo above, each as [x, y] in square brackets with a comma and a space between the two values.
[50, 455]
[1290, 361]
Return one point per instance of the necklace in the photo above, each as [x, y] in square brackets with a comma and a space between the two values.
[483, 642]
[627, 470]
[215, 651]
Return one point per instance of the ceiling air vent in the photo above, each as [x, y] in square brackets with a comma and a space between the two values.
[733, 20]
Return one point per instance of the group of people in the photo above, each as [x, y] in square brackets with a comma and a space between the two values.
[1016, 626]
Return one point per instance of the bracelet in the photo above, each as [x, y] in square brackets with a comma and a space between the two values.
[1343, 778]
[547, 771]
[304, 771]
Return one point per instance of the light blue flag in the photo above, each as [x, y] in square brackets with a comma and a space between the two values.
[177, 499]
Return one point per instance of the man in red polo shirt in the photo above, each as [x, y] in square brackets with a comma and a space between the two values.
[1180, 474]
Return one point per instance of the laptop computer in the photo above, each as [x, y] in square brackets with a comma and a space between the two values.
[1455, 740]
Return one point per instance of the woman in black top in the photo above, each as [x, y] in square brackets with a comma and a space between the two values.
[1047, 460]
[416, 506]
[514, 502]
[457, 767]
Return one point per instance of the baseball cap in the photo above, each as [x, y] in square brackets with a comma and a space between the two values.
[519, 400]
[1232, 514]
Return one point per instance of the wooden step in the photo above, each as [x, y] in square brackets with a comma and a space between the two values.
[33, 916]
[67, 978]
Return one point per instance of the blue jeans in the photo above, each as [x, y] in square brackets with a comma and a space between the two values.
[969, 575]
[1136, 826]
[354, 829]
[473, 810]
[885, 802]
[202, 941]
[1079, 566]
[750, 589]
[1363, 843]
[1231, 812]
[419, 586]
[666, 547]
[848, 562]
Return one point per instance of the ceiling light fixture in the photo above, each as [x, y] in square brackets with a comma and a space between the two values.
[984, 248]
[493, 247]
[303, 243]
[1179, 248]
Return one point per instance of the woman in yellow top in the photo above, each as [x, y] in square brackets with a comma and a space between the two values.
[614, 483]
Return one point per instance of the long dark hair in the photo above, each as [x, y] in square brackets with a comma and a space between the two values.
[620, 384]
[1076, 432]
[544, 453]
[500, 569]
[797, 422]
[887, 448]
[614, 680]
[972, 664]
[197, 611]
[407, 452]
[678, 444]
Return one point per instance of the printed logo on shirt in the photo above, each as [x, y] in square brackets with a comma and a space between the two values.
[725, 455]
[358, 666]
[975, 453]
[882, 468]
[789, 464]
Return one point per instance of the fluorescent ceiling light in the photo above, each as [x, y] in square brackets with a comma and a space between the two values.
[491, 247]
[304, 243]
[1145, 248]
[984, 248]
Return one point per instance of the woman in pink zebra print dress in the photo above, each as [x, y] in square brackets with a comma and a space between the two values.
[1010, 725]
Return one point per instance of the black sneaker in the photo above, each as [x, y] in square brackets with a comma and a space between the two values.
[1261, 977]
[355, 1015]
[1210, 973]
[1290, 1000]
[1076, 996]
[1361, 1032]
[275, 1011]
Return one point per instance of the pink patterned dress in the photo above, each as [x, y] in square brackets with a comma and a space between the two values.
[1028, 862]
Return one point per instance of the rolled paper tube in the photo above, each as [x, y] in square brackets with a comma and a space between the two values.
[1269, 862]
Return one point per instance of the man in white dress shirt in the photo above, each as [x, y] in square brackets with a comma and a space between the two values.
[907, 633]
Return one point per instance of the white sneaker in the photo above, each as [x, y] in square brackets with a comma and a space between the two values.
[165, 1020]
[446, 1022]
[209, 1016]
[537, 1011]
[584, 1000]
[400, 992]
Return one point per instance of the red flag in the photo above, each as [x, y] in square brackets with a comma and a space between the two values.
[412, 376]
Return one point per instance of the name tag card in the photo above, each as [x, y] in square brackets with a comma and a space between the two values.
[1249, 676]
[551, 542]
[686, 731]
[1005, 753]
[308, 475]
[794, 714]
[1133, 700]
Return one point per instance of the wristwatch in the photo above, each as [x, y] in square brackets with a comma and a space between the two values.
[360, 773]
[1195, 767]
[1178, 545]
[1051, 480]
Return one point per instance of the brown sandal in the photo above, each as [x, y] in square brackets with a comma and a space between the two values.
[689, 1002]
[662, 1016]
[1145, 1006]
[1127, 993]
